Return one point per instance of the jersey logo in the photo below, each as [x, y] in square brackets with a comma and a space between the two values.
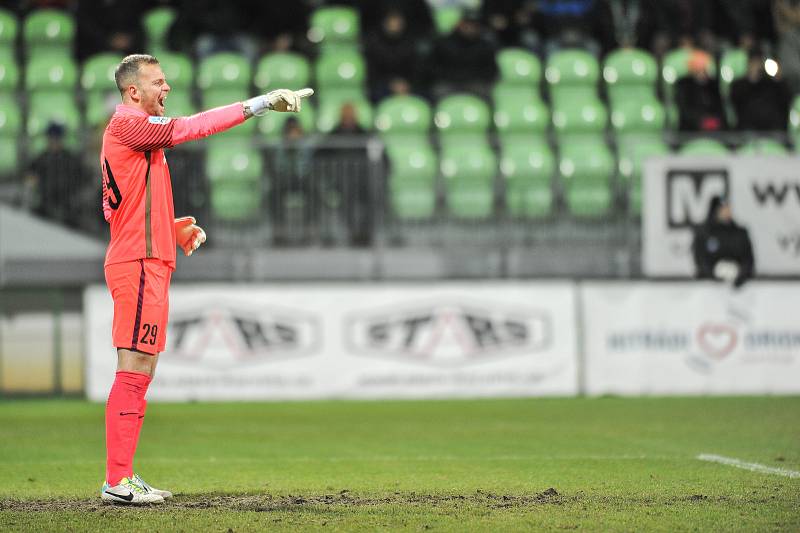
[159, 120]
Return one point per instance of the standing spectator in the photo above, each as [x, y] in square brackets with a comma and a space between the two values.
[698, 98]
[761, 101]
[292, 183]
[787, 26]
[464, 60]
[392, 57]
[722, 249]
[344, 161]
[57, 182]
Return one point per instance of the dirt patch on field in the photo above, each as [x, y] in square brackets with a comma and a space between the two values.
[269, 502]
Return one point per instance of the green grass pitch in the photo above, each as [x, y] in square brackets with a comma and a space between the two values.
[607, 464]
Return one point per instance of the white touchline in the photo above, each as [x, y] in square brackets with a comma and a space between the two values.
[753, 467]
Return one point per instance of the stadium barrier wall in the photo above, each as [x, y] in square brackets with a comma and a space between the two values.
[764, 193]
[465, 340]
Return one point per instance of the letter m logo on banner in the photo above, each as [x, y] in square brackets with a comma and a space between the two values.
[689, 193]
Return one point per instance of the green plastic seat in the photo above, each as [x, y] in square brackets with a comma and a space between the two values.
[513, 117]
[503, 91]
[282, 70]
[9, 73]
[412, 180]
[157, 23]
[469, 172]
[633, 153]
[179, 104]
[445, 18]
[10, 116]
[586, 169]
[633, 116]
[52, 107]
[794, 122]
[99, 107]
[8, 29]
[271, 124]
[9, 156]
[48, 31]
[461, 118]
[225, 96]
[234, 172]
[340, 69]
[528, 168]
[703, 147]
[763, 146]
[330, 111]
[732, 66]
[403, 114]
[580, 117]
[177, 69]
[630, 74]
[224, 70]
[97, 73]
[572, 74]
[48, 73]
[334, 26]
[519, 67]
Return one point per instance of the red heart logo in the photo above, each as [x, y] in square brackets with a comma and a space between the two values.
[717, 340]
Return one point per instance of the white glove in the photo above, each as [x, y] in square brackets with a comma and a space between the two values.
[726, 271]
[281, 100]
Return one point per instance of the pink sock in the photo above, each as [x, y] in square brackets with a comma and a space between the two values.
[122, 423]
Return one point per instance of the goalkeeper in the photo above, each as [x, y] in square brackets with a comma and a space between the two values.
[137, 203]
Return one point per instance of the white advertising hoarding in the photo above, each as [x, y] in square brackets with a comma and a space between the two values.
[765, 198]
[691, 338]
[354, 341]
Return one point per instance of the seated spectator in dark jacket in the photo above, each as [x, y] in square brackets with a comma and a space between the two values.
[697, 97]
[57, 182]
[722, 248]
[465, 59]
[392, 57]
[761, 101]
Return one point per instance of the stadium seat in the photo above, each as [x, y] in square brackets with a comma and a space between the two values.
[519, 67]
[282, 70]
[9, 156]
[10, 116]
[334, 27]
[634, 116]
[212, 98]
[45, 108]
[271, 124]
[339, 70]
[179, 104]
[48, 31]
[579, 118]
[9, 72]
[234, 173]
[794, 122]
[571, 74]
[762, 146]
[528, 168]
[469, 172]
[178, 70]
[445, 18]
[51, 73]
[503, 91]
[403, 114]
[156, 23]
[586, 169]
[461, 118]
[330, 111]
[513, 117]
[703, 147]
[630, 74]
[633, 153]
[412, 180]
[100, 89]
[8, 29]
[732, 66]
[224, 70]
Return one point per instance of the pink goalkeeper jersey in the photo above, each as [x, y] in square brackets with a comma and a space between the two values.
[137, 191]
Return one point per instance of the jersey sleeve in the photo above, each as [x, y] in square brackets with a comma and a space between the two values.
[143, 133]
[207, 123]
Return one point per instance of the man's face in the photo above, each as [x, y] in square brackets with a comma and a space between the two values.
[152, 89]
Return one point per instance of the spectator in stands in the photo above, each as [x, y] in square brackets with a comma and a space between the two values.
[344, 161]
[667, 24]
[208, 26]
[464, 60]
[787, 26]
[761, 101]
[745, 23]
[392, 57]
[698, 98]
[56, 182]
[576, 23]
[511, 21]
[372, 12]
[722, 249]
[110, 26]
[293, 185]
